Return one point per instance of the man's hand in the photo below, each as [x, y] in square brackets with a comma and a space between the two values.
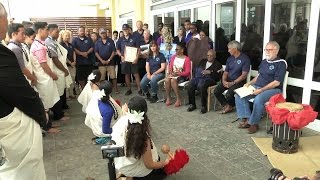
[84, 54]
[247, 84]
[257, 91]
[135, 61]
[149, 76]
[122, 59]
[54, 76]
[225, 84]
[73, 64]
[66, 72]
[206, 72]
[33, 80]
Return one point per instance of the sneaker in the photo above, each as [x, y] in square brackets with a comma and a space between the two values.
[153, 99]
[191, 107]
[128, 92]
[101, 140]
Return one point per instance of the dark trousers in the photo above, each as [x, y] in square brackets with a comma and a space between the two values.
[120, 76]
[202, 86]
[229, 98]
[64, 100]
[57, 109]
[142, 67]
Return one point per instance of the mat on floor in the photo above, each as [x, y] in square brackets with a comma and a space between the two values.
[305, 162]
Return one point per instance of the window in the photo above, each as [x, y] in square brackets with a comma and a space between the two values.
[225, 22]
[316, 69]
[169, 21]
[289, 27]
[252, 28]
[202, 17]
[157, 20]
[183, 16]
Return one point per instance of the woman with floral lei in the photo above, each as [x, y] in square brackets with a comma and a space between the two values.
[101, 110]
[92, 84]
[141, 160]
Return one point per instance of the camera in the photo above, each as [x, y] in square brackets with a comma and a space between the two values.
[275, 174]
[112, 151]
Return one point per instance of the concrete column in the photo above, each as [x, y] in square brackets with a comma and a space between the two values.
[218, 15]
[292, 14]
[307, 12]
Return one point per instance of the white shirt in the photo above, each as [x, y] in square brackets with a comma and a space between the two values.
[208, 64]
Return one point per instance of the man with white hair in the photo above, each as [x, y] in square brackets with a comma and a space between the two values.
[21, 115]
[269, 82]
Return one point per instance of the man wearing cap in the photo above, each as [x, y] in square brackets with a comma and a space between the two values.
[105, 51]
[128, 68]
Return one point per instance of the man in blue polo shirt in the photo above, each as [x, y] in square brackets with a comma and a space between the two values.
[234, 76]
[105, 51]
[128, 68]
[138, 34]
[269, 82]
[83, 46]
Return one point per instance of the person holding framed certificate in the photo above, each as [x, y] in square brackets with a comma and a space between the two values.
[128, 49]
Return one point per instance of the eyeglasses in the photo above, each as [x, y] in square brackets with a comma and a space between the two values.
[269, 49]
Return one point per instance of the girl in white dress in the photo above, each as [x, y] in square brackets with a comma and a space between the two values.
[141, 160]
[92, 85]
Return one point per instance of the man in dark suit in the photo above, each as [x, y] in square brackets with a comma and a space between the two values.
[207, 73]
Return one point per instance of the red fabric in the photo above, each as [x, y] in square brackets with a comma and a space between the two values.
[180, 159]
[118, 102]
[295, 120]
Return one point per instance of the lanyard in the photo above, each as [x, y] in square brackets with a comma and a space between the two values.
[23, 51]
[55, 44]
[49, 53]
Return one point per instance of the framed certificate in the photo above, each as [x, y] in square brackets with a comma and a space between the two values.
[130, 53]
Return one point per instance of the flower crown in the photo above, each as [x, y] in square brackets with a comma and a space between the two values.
[101, 94]
[135, 117]
[91, 77]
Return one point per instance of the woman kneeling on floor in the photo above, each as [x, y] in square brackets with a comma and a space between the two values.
[100, 112]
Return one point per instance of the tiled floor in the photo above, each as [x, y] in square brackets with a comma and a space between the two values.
[218, 149]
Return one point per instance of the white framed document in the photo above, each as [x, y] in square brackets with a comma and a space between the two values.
[245, 91]
[130, 53]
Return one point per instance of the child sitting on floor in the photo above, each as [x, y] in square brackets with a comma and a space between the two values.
[100, 111]
[92, 84]
[141, 160]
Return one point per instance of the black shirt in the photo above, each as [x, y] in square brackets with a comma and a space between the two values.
[15, 90]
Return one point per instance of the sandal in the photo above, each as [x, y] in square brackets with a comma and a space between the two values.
[226, 109]
[101, 140]
[244, 124]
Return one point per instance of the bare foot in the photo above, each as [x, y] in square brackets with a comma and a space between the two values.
[168, 102]
[53, 130]
[55, 125]
[64, 118]
[178, 103]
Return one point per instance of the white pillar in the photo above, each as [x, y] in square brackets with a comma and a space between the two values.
[292, 14]
[307, 13]
[218, 15]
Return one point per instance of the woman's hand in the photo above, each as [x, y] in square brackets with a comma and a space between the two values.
[124, 107]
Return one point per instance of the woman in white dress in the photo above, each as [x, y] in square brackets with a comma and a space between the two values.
[92, 84]
[141, 160]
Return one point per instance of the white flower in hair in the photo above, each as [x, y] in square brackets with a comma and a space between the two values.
[101, 94]
[91, 77]
[135, 117]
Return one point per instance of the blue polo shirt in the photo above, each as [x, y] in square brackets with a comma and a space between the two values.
[270, 71]
[235, 66]
[105, 50]
[122, 42]
[138, 36]
[70, 50]
[83, 45]
[155, 62]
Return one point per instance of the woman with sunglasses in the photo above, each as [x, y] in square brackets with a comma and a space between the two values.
[179, 71]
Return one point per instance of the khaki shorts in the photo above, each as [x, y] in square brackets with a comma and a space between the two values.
[107, 69]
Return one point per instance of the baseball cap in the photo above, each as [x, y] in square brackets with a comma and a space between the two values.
[125, 26]
[102, 30]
